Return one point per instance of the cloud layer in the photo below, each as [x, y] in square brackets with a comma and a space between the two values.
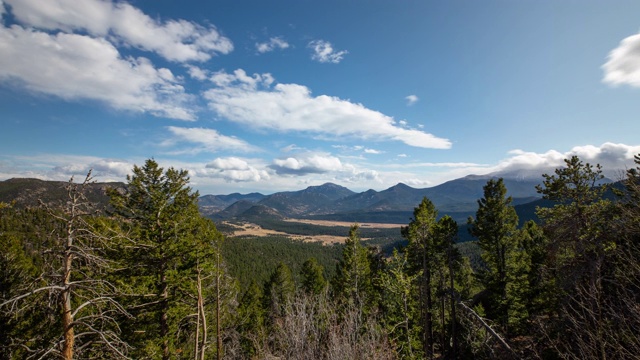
[300, 168]
[253, 101]
[206, 140]
[70, 49]
[74, 66]
[175, 40]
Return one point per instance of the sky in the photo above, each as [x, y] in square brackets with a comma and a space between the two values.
[266, 96]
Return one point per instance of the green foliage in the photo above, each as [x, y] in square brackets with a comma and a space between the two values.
[170, 242]
[400, 306]
[251, 319]
[584, 235]
[279, 290]
[422, 249]
[254, 258]
[353, 281]
[312, 274]
[495, 227]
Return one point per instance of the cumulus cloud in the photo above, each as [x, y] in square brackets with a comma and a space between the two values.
[324, 52]
[327, 165]
[411, 99]
[175, 40]
[206, 140]
[254, 101]
[613, 158]
[197, 73]
[73, 66]
[234, 169]
[271, 45]
[351, 174]
[306, 163]
[77, 56]
[623, 63]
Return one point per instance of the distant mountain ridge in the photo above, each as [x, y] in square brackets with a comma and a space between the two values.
[330, 201]
[457, 198]
[28, 192]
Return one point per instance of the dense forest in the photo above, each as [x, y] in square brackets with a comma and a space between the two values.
[150, 278]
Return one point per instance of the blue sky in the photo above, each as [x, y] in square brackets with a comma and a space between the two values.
[280, 95]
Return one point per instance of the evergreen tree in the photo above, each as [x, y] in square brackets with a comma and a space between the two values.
[495, 226]
[166, 245]
[251, 320]
[279, 290]
[582, 259]
[401, 307]
[313, 281]
[423, 247]
[353, 281]
[449, 264]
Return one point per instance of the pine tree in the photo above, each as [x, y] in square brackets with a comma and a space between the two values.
[164, 250]
[353, 282]
[495, 226]
[251, 320]
[423, 247]
[313, 281]
[582, 259]
[279, 290]
[400, 306]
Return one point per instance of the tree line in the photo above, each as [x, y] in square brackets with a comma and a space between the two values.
[149, 280]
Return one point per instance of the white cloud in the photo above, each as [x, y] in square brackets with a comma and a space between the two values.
[612, 157]
[251, 100]
[206, 140]
[175, 40]
[230, 163]
[306, 163]
[417, 183]
[324, 52]
[74, 66]
[273, 44]
[373, 151]
[62, 167]
[234, 169]
[353, 175]
[623, 63]
[197, 73]
[411, 99]
[327, 165]
[108, 168]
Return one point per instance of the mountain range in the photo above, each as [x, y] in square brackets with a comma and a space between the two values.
[457, 198]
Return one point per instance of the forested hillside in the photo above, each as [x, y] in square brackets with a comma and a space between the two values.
[151, 278]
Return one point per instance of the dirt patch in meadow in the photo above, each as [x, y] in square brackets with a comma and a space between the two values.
[249, 229]
[345, 223]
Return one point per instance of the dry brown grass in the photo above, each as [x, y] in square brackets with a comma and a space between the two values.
[249, 229]
[345, 223]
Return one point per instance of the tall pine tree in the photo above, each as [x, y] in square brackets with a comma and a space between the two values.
[165, 249]
[495, 226]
